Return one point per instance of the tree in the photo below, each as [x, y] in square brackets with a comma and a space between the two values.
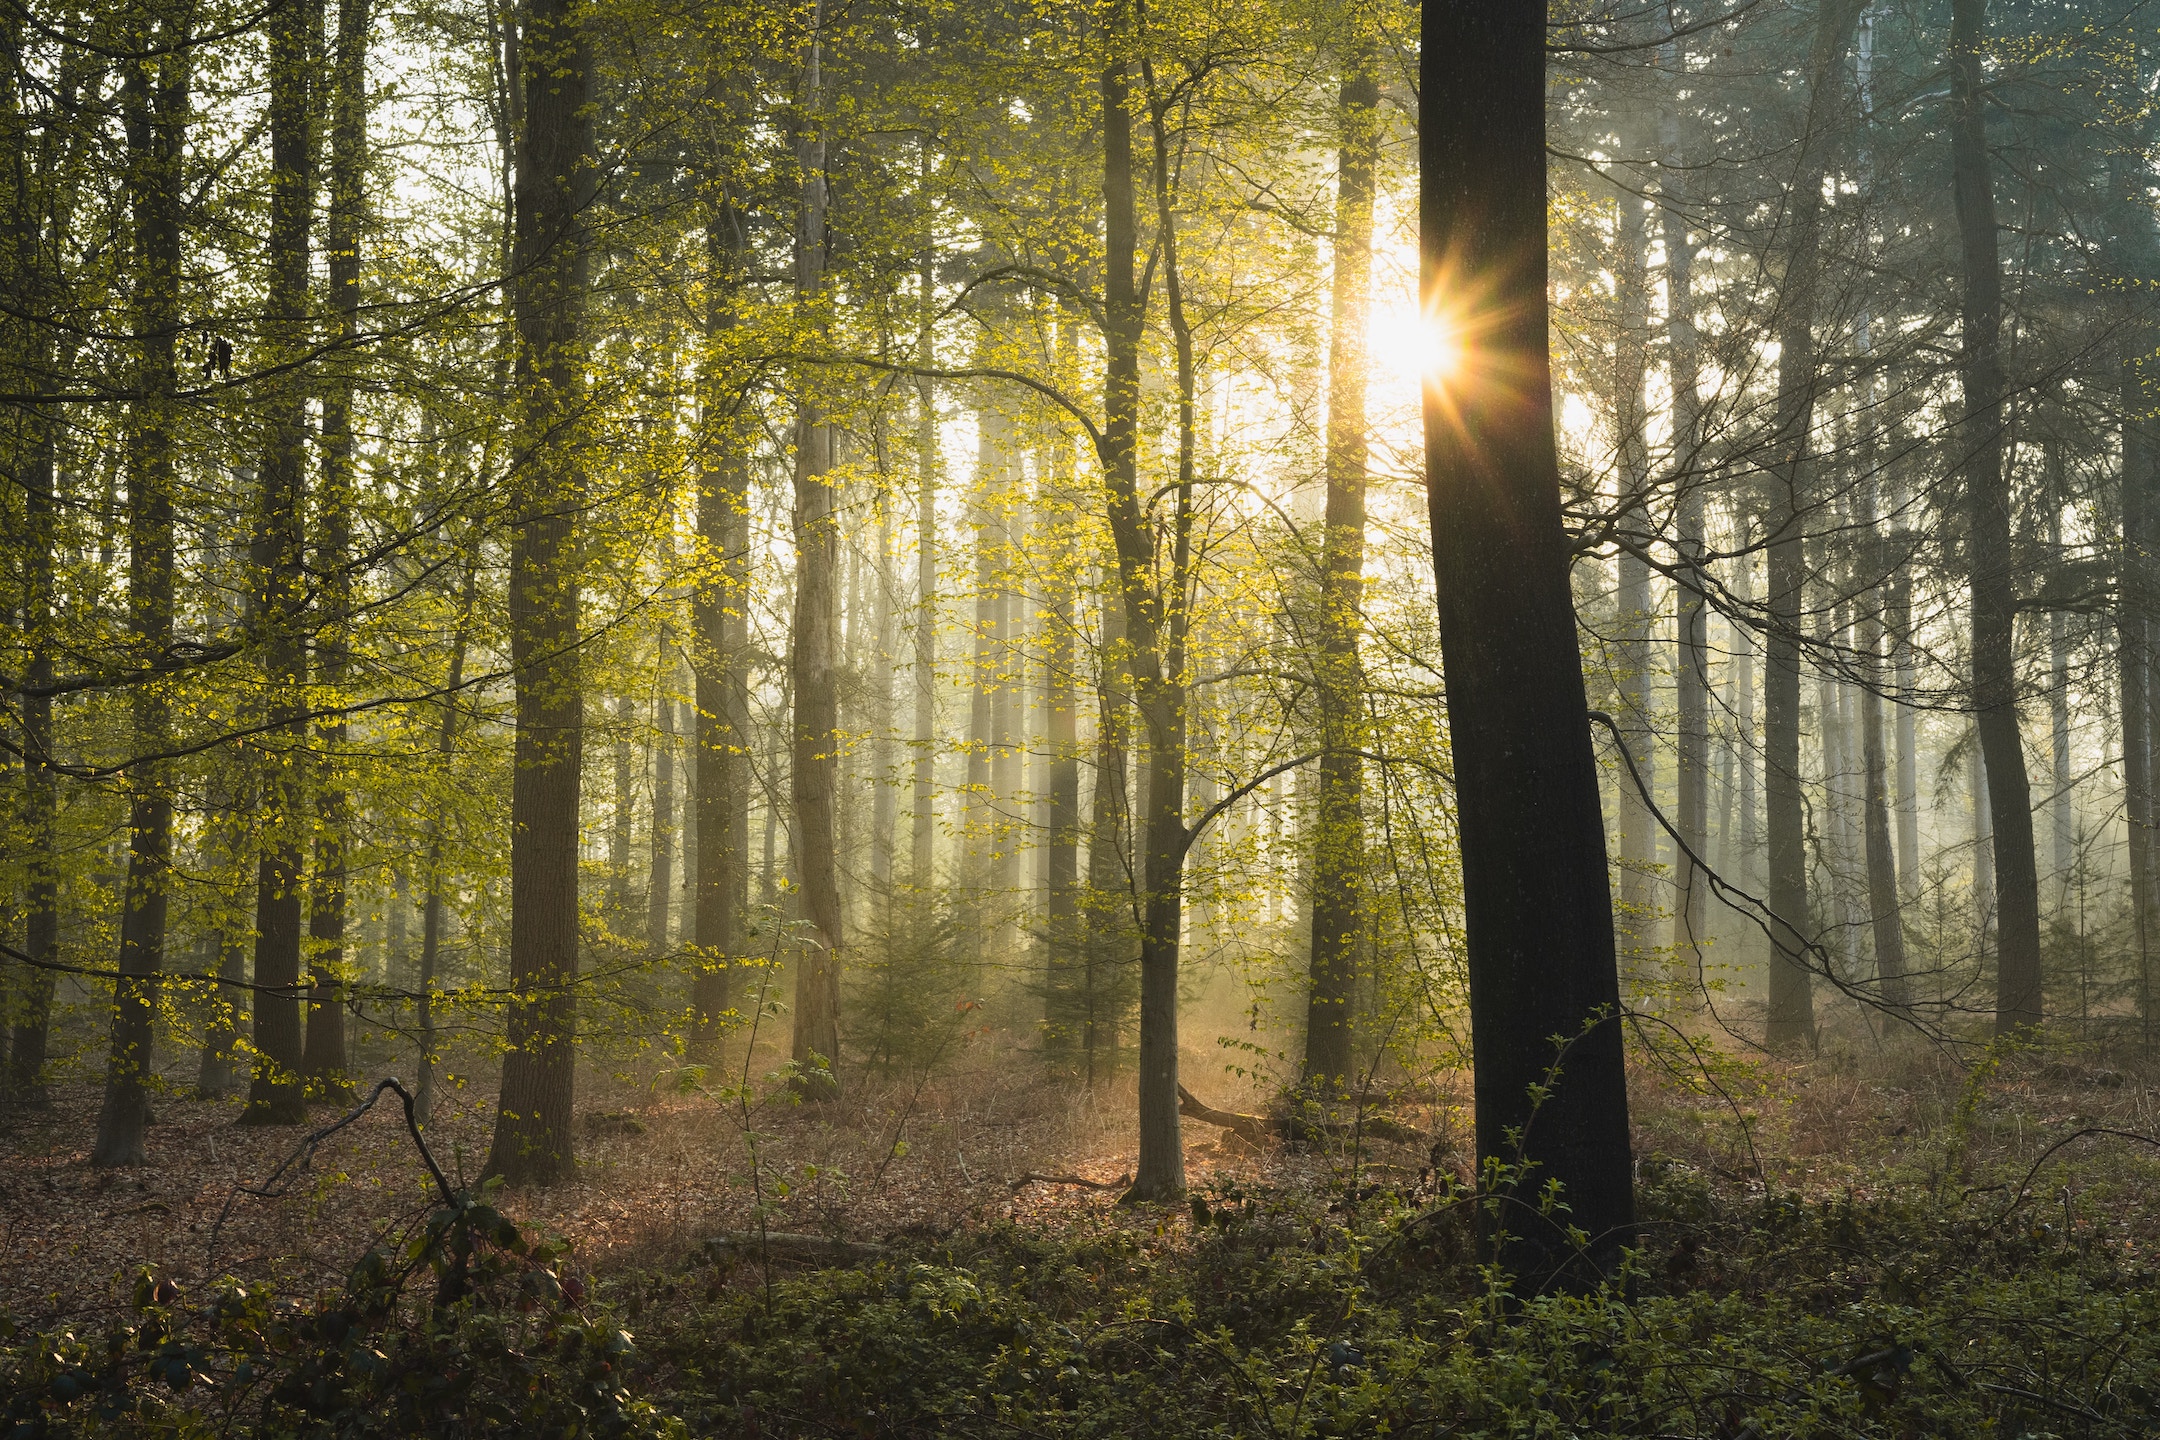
[1338, 919]
[277, 1094]
[1987, 497]
[155, 100]
[1536, 901]
[548, 284]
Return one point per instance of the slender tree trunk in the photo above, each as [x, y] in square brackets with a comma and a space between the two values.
[277, 1094]
[533, 1141]
[1110, 936]
[719, 655]
[815, 771]
[1633, 617]
[154, 104]
[1338, 859]
[1987, 496]
[1154, 609]
[431, 908]
[660, 873]
[922, 800]
[885, 638]
[1691, 659]
[1791, 1010]
[1064, 1012]
[1537, 898]
[325, 1061]
[2062, 810]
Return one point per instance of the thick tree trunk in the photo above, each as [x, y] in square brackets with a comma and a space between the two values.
[277, 1094]
[1987, 497]
[1338, 858]
[533, 1141]
[154, 105]
[1536, 894]
[814, 774]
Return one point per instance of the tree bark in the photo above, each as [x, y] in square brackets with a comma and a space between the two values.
[1536, 895]
[814, 775]
[533, 1141]
[1691, 659]
[660, 869]
[922, 799]
[1633, 616]
[1791, 1010]
[277, 1094]
[154, 105]
[325, 1060]
[1338, 859]
[1987, 498]
[719, 654]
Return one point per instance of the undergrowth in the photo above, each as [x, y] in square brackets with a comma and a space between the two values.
[1258, 1312]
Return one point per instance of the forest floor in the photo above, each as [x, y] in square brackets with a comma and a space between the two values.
[1873, 1242]
[661, 1171]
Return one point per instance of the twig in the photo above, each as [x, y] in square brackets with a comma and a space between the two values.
[305, 1155]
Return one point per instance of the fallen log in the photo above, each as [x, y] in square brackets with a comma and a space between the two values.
[1256, 1128]
[788, 1246]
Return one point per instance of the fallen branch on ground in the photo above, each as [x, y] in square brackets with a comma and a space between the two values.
[796, 1247]
[1031, 1178]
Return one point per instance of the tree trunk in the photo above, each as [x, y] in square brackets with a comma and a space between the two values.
[815, 771]
[1064, 996]
[1633, 617]
[431, 909]
[922, 798]
[1536, 894]
[277, 1094]
[1987, 497]
[533, 1142]
[1691, 659]
[154, 103]
[325, 1061]
[1110, 938]
[1338, 858]
[719, 653]
[660, 871]
[1791, 1010]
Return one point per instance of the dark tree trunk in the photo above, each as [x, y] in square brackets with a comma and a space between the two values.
[277, 1095]
[1154, 605]
[1987, 498]
[1536, 897]
[814, 770]
[1110, 938]
[1338, 859]
[154, 105]
[922, 799]
[431, 908]
[325, 1060]
[719, 654]
[1634, 616]
[660, 874]
[533, 1142]
[1791, 1010]
[1691, 659]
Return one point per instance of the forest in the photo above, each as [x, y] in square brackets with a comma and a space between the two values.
[1075, 718]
